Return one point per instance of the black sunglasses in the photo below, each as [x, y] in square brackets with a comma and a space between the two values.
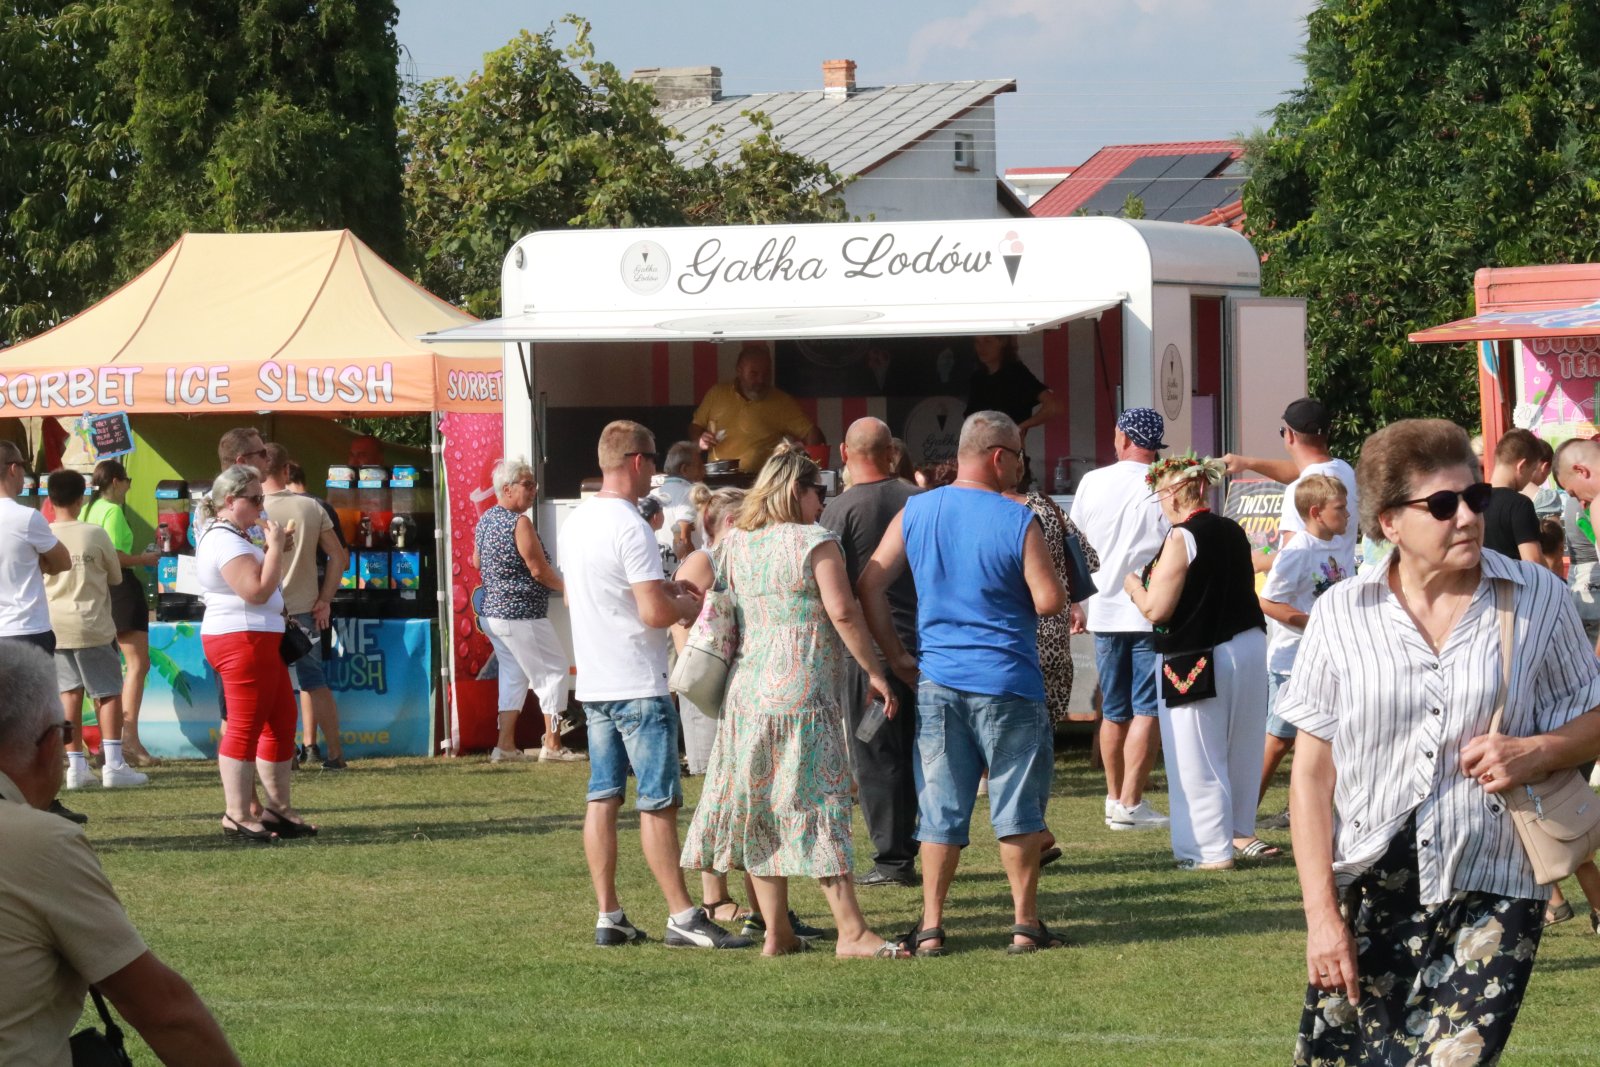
[65, 729]
[1021, 454]
[655, 457]
[1444, 504]
[254, 501]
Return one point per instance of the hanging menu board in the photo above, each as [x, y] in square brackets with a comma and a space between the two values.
[108, 436]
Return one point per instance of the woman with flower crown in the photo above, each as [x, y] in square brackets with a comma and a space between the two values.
[1200, 592]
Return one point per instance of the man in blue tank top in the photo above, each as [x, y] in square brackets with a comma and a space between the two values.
[983, 577]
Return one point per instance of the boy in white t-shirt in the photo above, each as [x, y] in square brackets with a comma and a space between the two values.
[1307, 567]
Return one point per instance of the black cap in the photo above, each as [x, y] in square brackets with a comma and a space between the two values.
[1308, 416]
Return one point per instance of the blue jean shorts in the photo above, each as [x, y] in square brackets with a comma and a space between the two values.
[958, 735]
[1127, 665]
[305, 673]
[642, 734]
[1283, 731]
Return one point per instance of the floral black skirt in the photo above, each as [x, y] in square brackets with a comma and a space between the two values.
[1440, 985]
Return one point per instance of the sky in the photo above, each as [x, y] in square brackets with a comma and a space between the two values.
[1088, 72]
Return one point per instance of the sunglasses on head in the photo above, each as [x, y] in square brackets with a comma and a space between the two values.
[1444, 504]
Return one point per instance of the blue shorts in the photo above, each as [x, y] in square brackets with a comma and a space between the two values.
[641, 734]
[1127, 665]
[958, 734]
[305, 673]
[1283, 731]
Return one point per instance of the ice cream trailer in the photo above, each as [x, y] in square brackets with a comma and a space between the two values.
[874, 318]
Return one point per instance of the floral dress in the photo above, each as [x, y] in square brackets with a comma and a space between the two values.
[776, 801]
[1055, 631]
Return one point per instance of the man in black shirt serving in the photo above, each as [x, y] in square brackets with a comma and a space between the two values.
[1510, 524]
[1002, 383]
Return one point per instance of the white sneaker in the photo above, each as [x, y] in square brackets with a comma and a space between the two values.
[1139, 817]
[118, 777]
[513, 755]
[78, 779]
[1111, 804]
[560, 755]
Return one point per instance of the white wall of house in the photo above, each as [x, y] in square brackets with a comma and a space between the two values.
[923, 183]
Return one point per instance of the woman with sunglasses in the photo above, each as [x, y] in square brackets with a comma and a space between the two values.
[1200, 593]
[1422, 913]
[241, 633]
[776, 802]
[129, 611]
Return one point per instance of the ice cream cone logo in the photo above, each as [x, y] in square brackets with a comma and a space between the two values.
[1011, 253]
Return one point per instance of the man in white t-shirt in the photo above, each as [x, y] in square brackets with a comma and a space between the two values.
[620, 607]
[28, 552]
[1122, 520]
[1308, 566]
[680, 531]
[1305, 429]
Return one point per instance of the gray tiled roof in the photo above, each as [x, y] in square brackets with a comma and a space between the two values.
[849, 134]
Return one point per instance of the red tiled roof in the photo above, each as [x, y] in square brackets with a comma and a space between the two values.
[1229, 215]
[1092, 175]
[1039, 170]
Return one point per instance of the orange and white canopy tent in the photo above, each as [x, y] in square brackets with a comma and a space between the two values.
[305, 322]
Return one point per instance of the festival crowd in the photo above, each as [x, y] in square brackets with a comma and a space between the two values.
[905, 646]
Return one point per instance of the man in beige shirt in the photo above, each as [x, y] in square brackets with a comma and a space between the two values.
[86, 635]
[307, 602]
[61, 925]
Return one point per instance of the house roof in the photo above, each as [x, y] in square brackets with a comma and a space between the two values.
[850, 133]
[1179, 181]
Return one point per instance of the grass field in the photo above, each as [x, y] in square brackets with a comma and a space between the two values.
[444, 917]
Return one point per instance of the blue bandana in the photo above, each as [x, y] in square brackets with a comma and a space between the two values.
[1144, 427]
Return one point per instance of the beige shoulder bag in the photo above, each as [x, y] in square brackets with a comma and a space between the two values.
[1558, 817]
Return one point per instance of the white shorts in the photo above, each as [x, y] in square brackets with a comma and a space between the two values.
[530, 657]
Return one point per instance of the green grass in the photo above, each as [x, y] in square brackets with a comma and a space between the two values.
[445, 916]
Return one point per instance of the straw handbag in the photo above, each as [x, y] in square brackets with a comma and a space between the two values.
[1558, 818]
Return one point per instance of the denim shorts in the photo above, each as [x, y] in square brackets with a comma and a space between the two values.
[1127, 665]
[642, 734]
[958, 734]
[305, 673]
[1283, 731]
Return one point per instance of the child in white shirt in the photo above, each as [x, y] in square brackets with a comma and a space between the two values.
[1305, 569]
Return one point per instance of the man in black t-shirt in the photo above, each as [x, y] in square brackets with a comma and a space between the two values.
[883, 765]
[1510, 524]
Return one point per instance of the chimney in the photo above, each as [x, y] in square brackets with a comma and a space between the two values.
[682, 87]
[838, 78]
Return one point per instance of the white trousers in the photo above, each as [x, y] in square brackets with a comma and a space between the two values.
[530, 657]
[1213, 750]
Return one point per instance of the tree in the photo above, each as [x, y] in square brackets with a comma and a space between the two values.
[551, 138]
[1431, 138]
[64, 163]
[260, 115]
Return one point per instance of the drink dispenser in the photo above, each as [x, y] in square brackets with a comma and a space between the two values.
[372, 497]
[173, 512]
[413, 506]
[177, 508]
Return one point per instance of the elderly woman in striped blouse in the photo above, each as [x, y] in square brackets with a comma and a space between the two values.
[1422, 911]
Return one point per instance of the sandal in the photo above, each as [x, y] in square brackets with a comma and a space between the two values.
[238, 832]
[1558, 914]
[287, 827]
[1049, 856]
[739, 914]
[891, 951]
[1257, 849]
[912, 941]
[1040, 938]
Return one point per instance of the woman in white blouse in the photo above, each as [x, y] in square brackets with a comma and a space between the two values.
[1422, 912]
[241, 631]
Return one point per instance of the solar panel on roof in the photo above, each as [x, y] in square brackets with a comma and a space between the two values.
[1112, 196]
[1197, 165]
[1146, 168]
[1203, 196]
[1162, 193]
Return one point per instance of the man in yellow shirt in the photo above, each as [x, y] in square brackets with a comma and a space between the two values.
[61, 925]
[747, 418]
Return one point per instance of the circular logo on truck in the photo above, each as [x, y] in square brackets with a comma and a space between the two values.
[645, 267]
[1172, 382]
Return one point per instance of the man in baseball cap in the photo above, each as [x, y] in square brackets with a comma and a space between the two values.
[1122, 520]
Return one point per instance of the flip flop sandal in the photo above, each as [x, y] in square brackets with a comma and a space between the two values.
[1049, 856]
[1040, 939]
[891, 951]
[739, 914]
[912, 941]
[1561, 914]
[1258, 849]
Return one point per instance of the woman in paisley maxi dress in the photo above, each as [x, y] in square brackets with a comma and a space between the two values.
[776, 801]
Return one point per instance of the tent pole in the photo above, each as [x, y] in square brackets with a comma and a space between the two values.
[441, 567]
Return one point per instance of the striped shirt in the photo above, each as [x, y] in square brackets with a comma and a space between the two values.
[1397, 715]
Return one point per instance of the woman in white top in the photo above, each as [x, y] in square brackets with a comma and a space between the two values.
[1422, 912]
[241, 633]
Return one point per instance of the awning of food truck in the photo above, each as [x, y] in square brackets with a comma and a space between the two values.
[777, 323]
[310, 322]
[1582, 320]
